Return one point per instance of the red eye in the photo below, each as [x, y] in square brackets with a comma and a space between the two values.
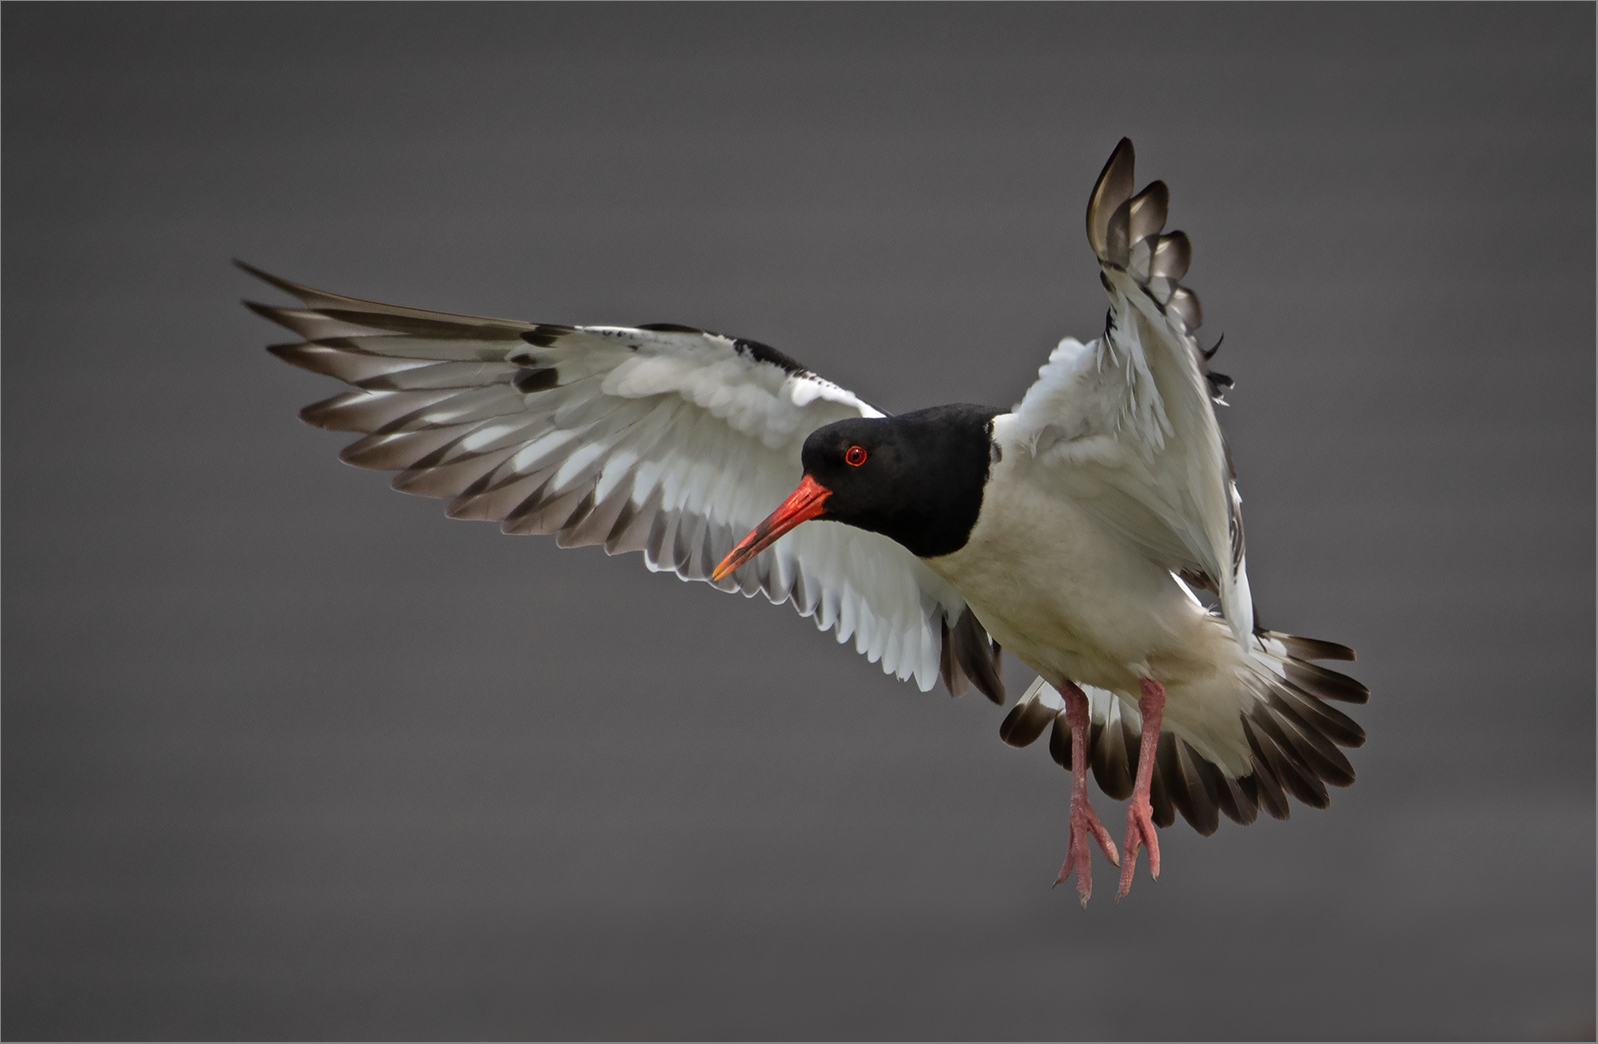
[856, 456]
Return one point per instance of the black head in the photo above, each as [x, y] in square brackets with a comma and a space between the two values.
[917, 478]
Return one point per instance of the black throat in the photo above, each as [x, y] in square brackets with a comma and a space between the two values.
[923, 479]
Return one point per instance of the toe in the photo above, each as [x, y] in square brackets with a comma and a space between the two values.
[1107, 844]
[1126, 877]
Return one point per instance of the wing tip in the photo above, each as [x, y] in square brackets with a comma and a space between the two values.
[287, 286]
[274, 314]
[1113, 187]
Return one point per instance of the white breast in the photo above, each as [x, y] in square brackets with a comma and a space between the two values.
[1071, 598]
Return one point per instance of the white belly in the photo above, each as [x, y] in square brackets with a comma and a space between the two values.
[1077, 602]
[1071, 598]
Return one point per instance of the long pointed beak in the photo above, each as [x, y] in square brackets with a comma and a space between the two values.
[802, 504]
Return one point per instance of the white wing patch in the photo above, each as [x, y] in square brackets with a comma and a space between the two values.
[1127, 421]
[666, 440]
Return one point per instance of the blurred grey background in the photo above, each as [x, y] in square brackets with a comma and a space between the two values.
[287, 754]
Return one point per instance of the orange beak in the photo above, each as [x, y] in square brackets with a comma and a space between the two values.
[802, 504]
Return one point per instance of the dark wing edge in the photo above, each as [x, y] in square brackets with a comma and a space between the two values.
[1293, 735]
[1126, 232]
[452, 403]
[970, 657]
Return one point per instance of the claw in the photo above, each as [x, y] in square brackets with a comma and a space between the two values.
[1139, 831]
[1083, 822]
[1139, 814]
[1106, 842]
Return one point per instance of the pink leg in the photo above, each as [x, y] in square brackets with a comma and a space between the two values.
[1139, 814]
[1083, 821]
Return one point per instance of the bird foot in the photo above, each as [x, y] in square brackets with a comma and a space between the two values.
[1139, 831]
[1083, 824]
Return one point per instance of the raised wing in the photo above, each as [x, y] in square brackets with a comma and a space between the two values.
[661, 438]
[1128, 421]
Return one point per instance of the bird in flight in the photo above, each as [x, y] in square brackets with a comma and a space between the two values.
[1094, 530]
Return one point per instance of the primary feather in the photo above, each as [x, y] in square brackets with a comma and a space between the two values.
[661, 438]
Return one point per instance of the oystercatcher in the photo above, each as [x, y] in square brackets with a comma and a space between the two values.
[1093, 530]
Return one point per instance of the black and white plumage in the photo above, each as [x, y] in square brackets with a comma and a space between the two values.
[1075, 530]
[662, 439]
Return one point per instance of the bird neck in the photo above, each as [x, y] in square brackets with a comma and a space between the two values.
[931, 503]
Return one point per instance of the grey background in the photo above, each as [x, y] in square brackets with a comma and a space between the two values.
[287, 754]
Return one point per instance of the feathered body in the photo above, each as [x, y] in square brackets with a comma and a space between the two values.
[1084, 604]
[1077, 530]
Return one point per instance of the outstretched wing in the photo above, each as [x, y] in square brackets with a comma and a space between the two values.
[1128, 422]
[661, 438]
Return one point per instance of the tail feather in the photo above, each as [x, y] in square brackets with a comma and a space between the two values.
[1239, 799]
[1309, 648]
[1294, 739]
